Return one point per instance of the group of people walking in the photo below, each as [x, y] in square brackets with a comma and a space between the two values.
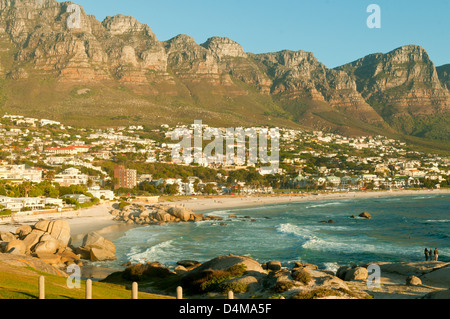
[429, 254]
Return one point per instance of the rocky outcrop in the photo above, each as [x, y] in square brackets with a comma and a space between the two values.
[444, 75]
[413, 281]
[365, 215]
[352, 273]
[98, 248]
[158, 214]
[50, 241]
[245, 277]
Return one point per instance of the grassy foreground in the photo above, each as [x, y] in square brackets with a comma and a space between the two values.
[22, 283]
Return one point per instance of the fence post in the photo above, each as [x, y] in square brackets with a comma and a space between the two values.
[88, 289]
[179, 293]
[230, 295]
[41, 287]
[134, 291]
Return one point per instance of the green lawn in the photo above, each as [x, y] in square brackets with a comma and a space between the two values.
[22, 283]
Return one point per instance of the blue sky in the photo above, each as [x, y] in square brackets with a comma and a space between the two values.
[335, 31]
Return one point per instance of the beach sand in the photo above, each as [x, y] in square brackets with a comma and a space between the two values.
[99, 219]
[232, 202]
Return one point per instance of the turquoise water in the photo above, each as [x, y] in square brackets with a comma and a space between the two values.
[401, 228]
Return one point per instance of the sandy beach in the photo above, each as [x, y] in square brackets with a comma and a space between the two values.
[99, 219]
[223, 202]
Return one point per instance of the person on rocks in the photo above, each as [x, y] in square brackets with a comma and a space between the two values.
[436, 254]
[431, 254]
[426, 254]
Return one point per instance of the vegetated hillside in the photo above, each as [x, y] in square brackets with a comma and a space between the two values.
[117, 72]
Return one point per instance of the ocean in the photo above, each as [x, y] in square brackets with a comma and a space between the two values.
[400, 230]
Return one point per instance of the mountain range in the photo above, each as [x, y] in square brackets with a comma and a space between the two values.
[116, 72]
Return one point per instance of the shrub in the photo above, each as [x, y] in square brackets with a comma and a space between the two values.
[6, 212]
[317, 293]
[211, 280]
[283, 286]
[236, 287]
[302, 276]
[141, 272]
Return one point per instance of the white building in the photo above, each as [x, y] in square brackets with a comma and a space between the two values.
[106, 194]
[71, 176]
[28, 203]
[21, 172]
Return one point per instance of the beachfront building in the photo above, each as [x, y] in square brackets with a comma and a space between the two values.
[103, 194]
[71, 176]
[80, 198]
[126, 178]
[29, 203]
[21, 172]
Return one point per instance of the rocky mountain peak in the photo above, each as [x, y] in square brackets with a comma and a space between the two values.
[224, 47]
[120, 24]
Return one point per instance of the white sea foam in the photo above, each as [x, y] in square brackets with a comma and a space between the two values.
[438, 221]
[150, 254]
[323, 205]
[312, 241]
[331, 266]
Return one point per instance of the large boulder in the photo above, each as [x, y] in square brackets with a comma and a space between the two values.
[163, 216]
[205, 277]
[182, 213]
[101, 249]
[23, 231]
[33, 239]
[358, 273]
[98, 254]
[50, 246]
[413, 281]
[274, 265]
[60, 230]
[7, 237]
[342, 271]
[42, 225]
[226, 262]
[365, 215]
[16, 247]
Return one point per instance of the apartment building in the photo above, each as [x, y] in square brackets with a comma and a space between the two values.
[126, 178]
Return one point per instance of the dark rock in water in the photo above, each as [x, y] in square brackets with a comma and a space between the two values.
[353, 216]
[331, 221]
[365, 215]
[274, 265]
